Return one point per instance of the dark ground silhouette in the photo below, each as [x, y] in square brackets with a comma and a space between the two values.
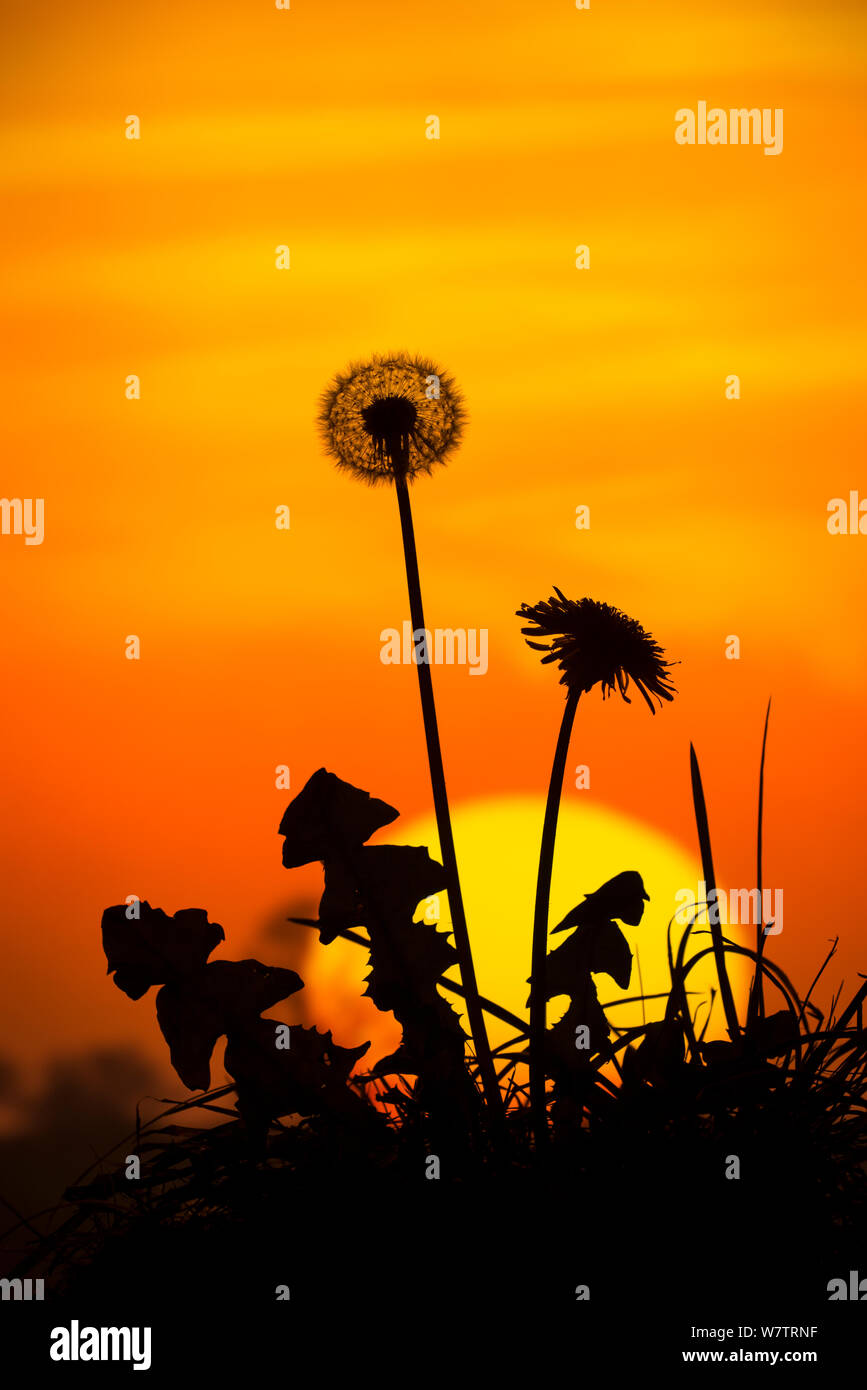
[319, 1182]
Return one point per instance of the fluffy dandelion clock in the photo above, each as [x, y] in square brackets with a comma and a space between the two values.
[391, 418]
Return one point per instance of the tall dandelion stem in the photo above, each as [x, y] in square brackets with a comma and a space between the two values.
[538, 992]
[441, 805]
[387, 421]
[593, 644]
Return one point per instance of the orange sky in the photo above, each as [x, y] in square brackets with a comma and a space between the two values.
[602, 387]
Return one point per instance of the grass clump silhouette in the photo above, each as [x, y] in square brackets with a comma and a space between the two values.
[640, 1115]
[309, 1149]
[648, 1111]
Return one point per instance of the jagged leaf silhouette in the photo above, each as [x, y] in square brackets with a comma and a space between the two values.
[596, 946]
[380, 887]
[155, 948]
[377, 882]
[194, 1012]
[432, 1046]
[407, 959]
[775, 1034]
[622, 897]
[659, 1054]
[329, 817]
[305, 1078]
[399, 1063]
[601, 948]
[340, 905]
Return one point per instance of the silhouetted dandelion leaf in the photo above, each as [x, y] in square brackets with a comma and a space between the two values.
[398, 1063]
[584, 1011]
[305, 1078]
[328, 817]
[775, 1034]
[380, 887]
[154, 948]
[407, 960]
[599, 947]
[659, 1055]
[432, 1046]
[596, 946]
[194, 1012]
[378, 884]
[622, 897]
[735, 1074]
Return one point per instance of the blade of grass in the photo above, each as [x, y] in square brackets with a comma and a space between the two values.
[819, 973]
[703, 828]
[756, 1007]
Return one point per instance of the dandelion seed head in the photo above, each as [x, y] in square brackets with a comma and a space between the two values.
[392, 417]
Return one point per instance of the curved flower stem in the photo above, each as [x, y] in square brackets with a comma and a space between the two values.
[538, 992]
[444, 825]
